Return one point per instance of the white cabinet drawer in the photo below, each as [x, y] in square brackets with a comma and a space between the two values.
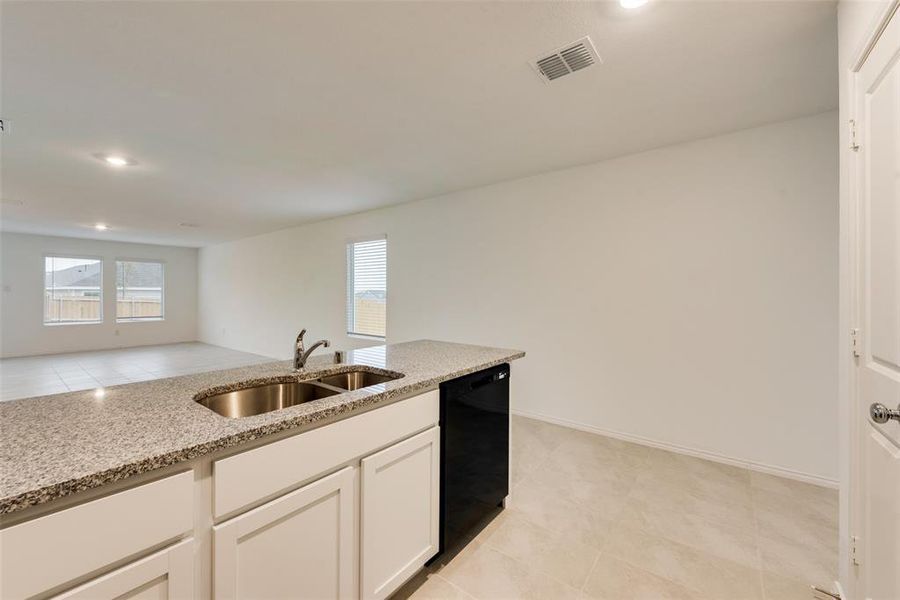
[166, 575]
[49, 551]
[244, 479]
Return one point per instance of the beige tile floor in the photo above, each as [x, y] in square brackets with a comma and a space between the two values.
[57, 373]
[595, 517]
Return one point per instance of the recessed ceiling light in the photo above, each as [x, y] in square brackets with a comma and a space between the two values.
[632, 3]
[115, 160]
[189, 225]
[101, 226]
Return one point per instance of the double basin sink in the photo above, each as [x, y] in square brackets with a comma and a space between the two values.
[260, 399]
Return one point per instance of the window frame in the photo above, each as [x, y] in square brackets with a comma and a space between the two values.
[162, 293]
[75, 256]
[348, 246]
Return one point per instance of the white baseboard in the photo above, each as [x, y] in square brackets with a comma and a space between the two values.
[753, 466]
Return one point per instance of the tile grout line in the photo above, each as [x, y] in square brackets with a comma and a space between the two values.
[526, 567]
[453, 585]
[759, 559]
[591, 572]
[524, 517]
[639, 567]
[487, 542]
[688, 546]
[60, 370]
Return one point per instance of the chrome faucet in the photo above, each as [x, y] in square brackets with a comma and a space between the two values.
[301, 354]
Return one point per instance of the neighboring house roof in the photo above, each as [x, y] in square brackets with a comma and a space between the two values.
[78, 276]
[372, 294]
[137, 274]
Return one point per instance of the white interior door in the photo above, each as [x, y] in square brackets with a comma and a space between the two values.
[878, 194]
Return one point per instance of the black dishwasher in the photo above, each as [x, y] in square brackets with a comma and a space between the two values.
[474, 450]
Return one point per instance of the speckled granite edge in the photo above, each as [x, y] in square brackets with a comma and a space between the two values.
[338, 406]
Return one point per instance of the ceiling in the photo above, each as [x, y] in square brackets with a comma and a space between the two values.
[247, 117]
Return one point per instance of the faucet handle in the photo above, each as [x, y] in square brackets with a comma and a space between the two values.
[300, 335]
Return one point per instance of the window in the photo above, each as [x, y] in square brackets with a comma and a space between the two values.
[139, 290]
[367, 287]
[73, 291]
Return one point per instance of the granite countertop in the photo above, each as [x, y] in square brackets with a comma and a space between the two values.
[54, 446]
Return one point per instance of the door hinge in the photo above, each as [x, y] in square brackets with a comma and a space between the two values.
[854, 342]
[854, 551]
[854, 144]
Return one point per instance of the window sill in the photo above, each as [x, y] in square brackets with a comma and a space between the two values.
[146, 320]
[363, 336]
[64, 323]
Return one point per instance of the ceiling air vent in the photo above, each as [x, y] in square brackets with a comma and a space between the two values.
[568, 59]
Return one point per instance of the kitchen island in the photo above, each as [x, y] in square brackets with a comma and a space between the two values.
[99, 484]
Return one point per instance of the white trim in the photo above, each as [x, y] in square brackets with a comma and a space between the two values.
[140, 319]
[367, 238]
[102, 297]
[140, 260]
[879, 24]
[74, 255]
[349, 290]
[704, 454]
[364, 336]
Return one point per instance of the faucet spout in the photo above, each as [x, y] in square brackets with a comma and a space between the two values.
[301, 354]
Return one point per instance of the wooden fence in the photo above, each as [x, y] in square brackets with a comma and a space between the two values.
[370, 316]
[88, 309]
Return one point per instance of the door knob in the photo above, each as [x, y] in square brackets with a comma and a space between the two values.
[882, 414]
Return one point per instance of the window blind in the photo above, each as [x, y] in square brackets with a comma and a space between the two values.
[367, 287]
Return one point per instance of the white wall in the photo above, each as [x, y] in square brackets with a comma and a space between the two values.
[686, 295]
[22, 331]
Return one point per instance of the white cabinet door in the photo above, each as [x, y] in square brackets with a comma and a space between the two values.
[400, 512]
[301, 545]
[168, 574]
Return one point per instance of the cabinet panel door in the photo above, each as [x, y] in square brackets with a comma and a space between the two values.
[400, 512]
[166, 575]
[301, 545]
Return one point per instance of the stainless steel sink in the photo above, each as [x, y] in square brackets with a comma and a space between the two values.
[265, 398]
[354, 380]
